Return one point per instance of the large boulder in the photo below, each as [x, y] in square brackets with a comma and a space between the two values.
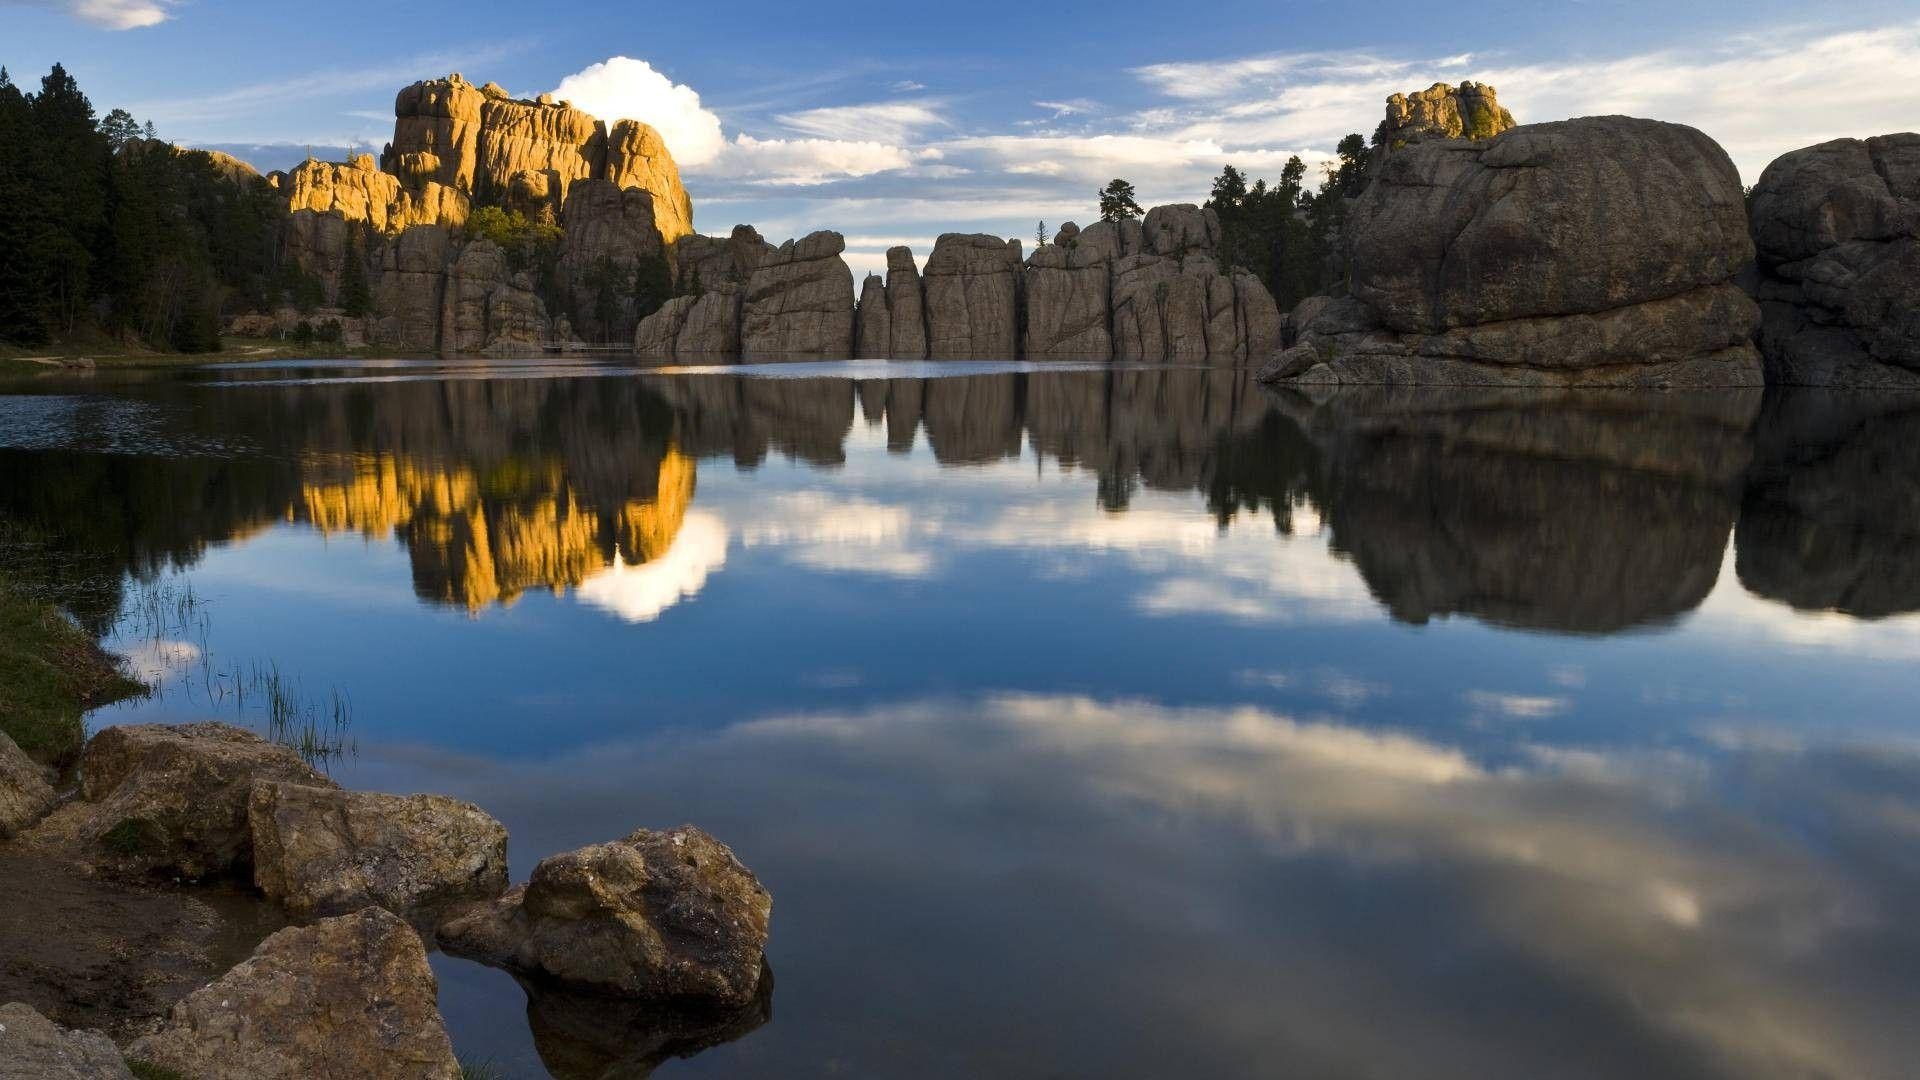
[1598, 251]
[33, 1047]
[666, 915]
[1837, 228]
[348, 998]
[322, 851]
[169, 800]
[25, 795]
[972, 296]
[637, 158]
[799, 301]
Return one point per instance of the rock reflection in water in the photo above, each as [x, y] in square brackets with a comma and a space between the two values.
[591, 1037]
[1831, 517]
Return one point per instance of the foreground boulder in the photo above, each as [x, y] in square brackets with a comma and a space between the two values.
[33, 1047]
[348, 998]
[1591, 252]
[1837, 228]
[25, 795]
[323, 851]
[663, 915]
[170, 800]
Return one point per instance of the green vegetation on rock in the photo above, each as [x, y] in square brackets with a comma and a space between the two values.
[51, 673]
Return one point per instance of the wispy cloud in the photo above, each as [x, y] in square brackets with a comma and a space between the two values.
[107, 14]
[895, 122]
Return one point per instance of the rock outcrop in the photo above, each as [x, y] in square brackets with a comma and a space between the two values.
[322, 851]
[799, 302]
[972, 298]
[490, 307]
[638, 158]
[410, 291]
[1837, 229]
[873, 321]
[348, 997]
[33, 1047]
[1468, 111]
[359, 192]
[25, 795]
[906, 306]
[169, 800]
[656, 915]
[1590, 252]
[1068, 287]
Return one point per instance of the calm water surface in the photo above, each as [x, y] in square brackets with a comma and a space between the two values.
[1132, 722]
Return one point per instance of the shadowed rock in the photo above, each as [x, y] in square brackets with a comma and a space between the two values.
[323, 851]
[169, 800]
[33, 1047]
[593, 1037]
[658, 915]
[25, 795]
[1591, 252]
[350, 996]
[799, 301]
[1837, 227]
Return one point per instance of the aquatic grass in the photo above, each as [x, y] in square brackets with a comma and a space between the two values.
[147, 1070]
[483, 1069]
[51, 673]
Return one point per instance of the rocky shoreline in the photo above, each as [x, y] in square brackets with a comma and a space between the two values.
[166, 817]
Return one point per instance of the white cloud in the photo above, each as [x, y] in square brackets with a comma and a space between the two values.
[804, 162]
[1073, 107]
[118, 14]
[1515, 706]
[641, 592]
[622, 88]
[907, 86]
[890, 122]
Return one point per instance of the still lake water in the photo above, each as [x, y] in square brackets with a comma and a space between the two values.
[1117, 722]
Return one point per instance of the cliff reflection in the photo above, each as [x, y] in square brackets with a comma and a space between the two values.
[1568, 512]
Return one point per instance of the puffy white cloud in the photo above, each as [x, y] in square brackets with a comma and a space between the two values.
[804, 162]
[118, 14]
[622, 88]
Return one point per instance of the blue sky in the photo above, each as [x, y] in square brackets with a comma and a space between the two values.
[895, 123]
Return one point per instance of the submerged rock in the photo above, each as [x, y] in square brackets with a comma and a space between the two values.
[324, 851]
[1837, 228]
[583, 1036]
[1591, 252]
[348, 997]
[169, 800]
[33, 1047]
[667, 915]
[25, 795]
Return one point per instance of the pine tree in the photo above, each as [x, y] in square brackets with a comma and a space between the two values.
[1117, 201]
[1040, 236]
[356, 296]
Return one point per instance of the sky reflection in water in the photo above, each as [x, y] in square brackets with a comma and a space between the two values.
[1139, 722]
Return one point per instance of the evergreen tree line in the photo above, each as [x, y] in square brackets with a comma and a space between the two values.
[104, 228]
[1285, 234]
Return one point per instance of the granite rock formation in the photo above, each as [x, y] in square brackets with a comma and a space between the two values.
[323, 851]
[489, 307]
[906, 306]
[873, 321]
[1590, 252]
[350, 996]
[1468, 111]
[1837, 229]
[972, 290]
[799, 302]
[169, 800]
[656, 915]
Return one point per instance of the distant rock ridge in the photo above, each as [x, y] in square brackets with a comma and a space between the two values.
[1127, 290]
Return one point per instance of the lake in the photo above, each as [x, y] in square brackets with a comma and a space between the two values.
[1098, 721]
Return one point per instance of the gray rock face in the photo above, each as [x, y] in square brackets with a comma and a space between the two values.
[1837, 228]
[670, 915]
[33, 1047]
[348, 997]
[169, 800]
[1067, 306]
[410, 290]
[323, 851]
[489, 308]
[799, 301]
[875, 321]
[608, 229]
[1590, 252]
[25, 795]
[1181, 229]
[906, 307]
[972, 296]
